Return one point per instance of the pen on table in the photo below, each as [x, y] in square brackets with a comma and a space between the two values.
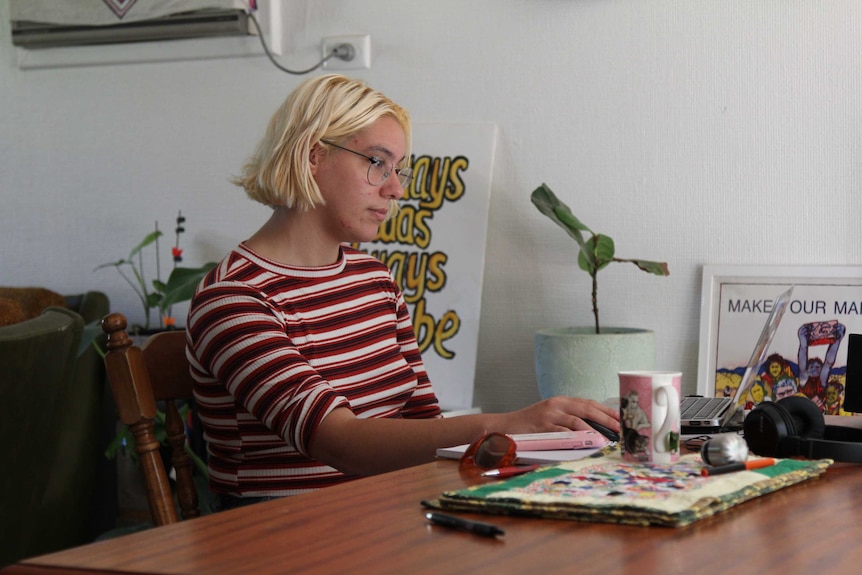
[753, 464]
[477, 527]
[509, 471]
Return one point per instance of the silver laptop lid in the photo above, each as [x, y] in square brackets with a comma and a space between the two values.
[758, 355]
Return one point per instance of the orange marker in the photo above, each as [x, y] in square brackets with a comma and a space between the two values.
[753, 464]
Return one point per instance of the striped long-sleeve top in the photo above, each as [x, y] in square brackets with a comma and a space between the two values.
[275, 348]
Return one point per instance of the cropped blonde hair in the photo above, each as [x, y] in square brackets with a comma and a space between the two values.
[330, 107]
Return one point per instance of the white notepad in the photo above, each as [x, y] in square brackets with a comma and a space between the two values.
[526, 457]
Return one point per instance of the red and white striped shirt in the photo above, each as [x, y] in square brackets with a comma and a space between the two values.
[275, 348]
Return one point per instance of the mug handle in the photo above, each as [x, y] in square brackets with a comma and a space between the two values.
[666, 396]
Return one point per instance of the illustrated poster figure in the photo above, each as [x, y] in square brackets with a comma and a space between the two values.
[756, 395]
[834, 398]
[774, 369]
[814, 372]
[784, 387]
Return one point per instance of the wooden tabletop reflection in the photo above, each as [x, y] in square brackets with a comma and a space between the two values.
[377, 525]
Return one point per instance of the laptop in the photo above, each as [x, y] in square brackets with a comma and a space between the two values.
[853, 379]
[702, 415]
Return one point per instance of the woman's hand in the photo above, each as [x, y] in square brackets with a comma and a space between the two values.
[560, 414]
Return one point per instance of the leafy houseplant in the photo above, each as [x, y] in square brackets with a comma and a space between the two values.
[180, 287]
[585, 361]
[596, 251]
[181, 283]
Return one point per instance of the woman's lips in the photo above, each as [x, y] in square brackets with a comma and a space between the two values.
[380, 214]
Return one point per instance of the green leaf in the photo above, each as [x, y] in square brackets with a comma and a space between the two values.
[153, 299]
[150, 238]
[160, 432]
[182, 284]
[603, 250]
[115, 264]
[596, 251]
[585, 263]
[550, 205]
[92, 331]
[657, 268]
[123, 440]
[596, 254]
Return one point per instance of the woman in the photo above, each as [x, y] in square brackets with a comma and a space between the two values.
[307, 368]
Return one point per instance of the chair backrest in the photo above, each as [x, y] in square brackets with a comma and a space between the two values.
[139, 377]
[81, 498]
[37, 362]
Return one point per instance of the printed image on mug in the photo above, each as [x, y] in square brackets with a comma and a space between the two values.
[649, 415]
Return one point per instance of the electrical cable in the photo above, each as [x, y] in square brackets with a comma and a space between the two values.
[343, 51]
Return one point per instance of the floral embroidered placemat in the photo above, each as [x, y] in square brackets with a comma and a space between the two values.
[604, 488]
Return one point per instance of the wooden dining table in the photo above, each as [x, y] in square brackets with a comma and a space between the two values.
[378, 525]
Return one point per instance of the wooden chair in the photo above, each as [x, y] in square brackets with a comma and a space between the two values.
[159, 371]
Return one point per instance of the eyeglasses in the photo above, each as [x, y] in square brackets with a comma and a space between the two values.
[491, 451]
[378, 169]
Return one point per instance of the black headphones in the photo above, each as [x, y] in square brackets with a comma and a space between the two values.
[794, 426]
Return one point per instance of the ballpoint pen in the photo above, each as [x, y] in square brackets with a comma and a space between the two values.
[477, 527]
[503, 472]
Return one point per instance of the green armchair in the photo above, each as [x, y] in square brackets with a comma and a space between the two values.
[52, 421]
[80, 487]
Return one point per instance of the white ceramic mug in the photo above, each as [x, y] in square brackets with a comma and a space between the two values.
[649, 415]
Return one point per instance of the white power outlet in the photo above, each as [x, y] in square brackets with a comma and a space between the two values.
[362, 52]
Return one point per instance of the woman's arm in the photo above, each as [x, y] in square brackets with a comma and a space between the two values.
[371, 446]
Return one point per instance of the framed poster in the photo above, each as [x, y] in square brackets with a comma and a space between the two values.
[435, 248]
[808, 355]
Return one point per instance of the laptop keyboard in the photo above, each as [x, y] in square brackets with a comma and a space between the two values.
[702, 407]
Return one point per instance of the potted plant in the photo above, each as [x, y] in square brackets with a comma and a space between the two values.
[585, 361]
[180, 286]
[161, 296]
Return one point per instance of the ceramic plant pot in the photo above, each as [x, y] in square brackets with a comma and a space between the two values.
[581, 363]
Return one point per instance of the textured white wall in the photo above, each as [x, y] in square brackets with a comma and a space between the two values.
[692, 132]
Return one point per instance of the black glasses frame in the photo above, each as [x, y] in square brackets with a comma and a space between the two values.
[404, 174]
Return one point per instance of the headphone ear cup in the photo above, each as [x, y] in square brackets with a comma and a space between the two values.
[765, 427]
[807, 419]
[793, 427]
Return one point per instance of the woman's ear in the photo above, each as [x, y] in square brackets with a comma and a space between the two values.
[315, 157]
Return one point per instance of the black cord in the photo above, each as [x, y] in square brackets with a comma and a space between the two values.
[334, 52]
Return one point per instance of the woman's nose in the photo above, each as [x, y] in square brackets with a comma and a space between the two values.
[392, 187]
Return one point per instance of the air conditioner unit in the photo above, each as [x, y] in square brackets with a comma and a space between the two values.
[205, 23]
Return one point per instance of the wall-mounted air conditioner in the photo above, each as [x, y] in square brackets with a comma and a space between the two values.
[205, 23]
[52, 33]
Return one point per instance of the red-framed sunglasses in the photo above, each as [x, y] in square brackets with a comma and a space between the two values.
[491, 451]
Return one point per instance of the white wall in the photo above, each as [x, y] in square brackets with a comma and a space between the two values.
[690, 131]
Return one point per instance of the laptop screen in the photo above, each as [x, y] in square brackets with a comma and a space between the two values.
[758, 355]
[853, 381]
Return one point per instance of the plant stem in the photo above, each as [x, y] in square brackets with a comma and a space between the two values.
[595, 299]
[158, 270]
[197, 461]
[137, 290]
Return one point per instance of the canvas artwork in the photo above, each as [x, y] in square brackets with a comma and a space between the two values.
[808, 355]
[435, 248]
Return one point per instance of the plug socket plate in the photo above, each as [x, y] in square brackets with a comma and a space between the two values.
[361, 44]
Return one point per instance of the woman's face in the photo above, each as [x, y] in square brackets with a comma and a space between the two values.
[783, 389]
[775, 369]
[354, 208]
[757, 393]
